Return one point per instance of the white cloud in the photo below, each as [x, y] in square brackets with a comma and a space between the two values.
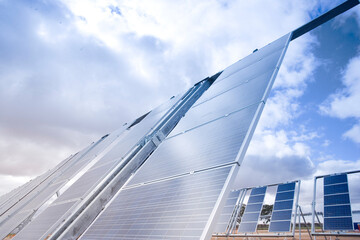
[336, 166]
[9, 182]
[343, 104]
[353, 133]
[74, 70]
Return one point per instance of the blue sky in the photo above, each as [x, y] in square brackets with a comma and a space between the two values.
[71, 72]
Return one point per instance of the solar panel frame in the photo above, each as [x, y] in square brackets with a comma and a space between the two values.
[337, 205]
[228, 210]
[252, 211]
[283, 207]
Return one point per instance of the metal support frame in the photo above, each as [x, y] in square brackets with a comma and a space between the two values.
[307, 228]
[324, 18]
[314, 213]
[231, 230]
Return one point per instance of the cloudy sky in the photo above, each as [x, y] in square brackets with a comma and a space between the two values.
[72, 71]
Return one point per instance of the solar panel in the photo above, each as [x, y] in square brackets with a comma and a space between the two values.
[241, 85]
[281, 215]
[338, 223]
[259, 190]
[212, 144]
[337, 208]
[337, 188]
[337, 211]
[341, 178]
[284, 195]
[226, 213]
[283, 205]
[250, 217]
[282, 210]
[280, 226]
[286, 187]
[252, 211]
[177, 208]
[254, 207]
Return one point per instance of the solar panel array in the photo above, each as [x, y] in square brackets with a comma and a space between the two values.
[201, 155]
[337, 207]
[47, 221]
[44, 187]
[213, 133]
[283, 208]
[250, 218]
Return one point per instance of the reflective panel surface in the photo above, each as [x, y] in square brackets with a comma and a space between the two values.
[337, 211]
[280, 226]
[252, 211]
[175, 208]
[337, 208]
[209, 145]
[342, 178]
[336, 188]
[281, 215]
[286, 187]
[282, 212]
[344, 223]
[282, 205]
[227, 212]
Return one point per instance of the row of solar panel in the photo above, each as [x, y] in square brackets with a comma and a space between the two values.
[281, 214]
[212, 133]
[337, 207]
[216, 128]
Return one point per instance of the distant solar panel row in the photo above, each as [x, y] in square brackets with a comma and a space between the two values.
[337, 208]
[283, 206]
[252, 211]
[61, 207]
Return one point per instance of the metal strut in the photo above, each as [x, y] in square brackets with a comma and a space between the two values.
[324, 18]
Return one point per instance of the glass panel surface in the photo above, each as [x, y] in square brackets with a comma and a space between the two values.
[253, 207]
[247, 227]
[336, 188]
[286, 187]
[337, 199]
[250, 217]
[257, 191]
[175, 208]
[280, 226]
[283, 205]
[281, 215]
[342, 178]
[337, 211]
[12, 223]
[253, 75]
[89, 180]
[212, 144]
[284, 195]
[256, 199]
[227, 212]
[338, 223]
[36, 228]
[254, 57]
